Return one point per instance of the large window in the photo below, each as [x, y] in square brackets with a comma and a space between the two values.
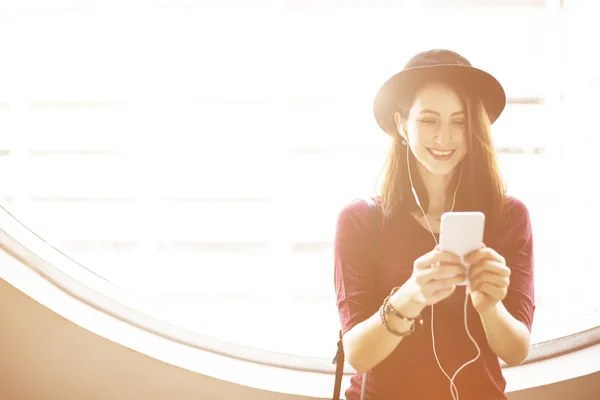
[197, 155]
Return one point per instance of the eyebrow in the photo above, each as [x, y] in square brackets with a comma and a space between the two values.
[437, 113]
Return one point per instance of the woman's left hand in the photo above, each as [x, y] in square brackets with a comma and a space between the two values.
[488, 276]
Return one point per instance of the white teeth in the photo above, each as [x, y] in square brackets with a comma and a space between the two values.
[441, 153]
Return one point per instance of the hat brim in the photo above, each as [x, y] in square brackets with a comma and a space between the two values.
[397, 89]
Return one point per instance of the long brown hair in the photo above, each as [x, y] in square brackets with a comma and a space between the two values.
[481, 188]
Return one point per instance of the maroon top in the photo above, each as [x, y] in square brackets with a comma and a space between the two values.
[411, 371]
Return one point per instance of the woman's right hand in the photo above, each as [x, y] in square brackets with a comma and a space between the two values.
[435, 276]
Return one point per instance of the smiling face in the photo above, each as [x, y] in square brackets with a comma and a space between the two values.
[446, 127]
[436, 129]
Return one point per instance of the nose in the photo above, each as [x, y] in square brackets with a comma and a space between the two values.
[444, 135]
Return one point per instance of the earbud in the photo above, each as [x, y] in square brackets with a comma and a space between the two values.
[400, 132]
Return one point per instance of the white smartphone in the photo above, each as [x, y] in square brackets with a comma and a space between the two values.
[461, 233]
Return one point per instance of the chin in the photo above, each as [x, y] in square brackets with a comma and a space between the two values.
[438, 170]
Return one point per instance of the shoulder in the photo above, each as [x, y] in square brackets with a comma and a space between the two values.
[355, 214]
[513, 220]
[355, 209]
[514, 210]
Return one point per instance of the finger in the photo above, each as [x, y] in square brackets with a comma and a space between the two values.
[485, 253]
[434, 287]
[489, 278]
[493, 291]
[442, 272]
[425, 261]
[442, 294]
[488, 266]
[472, 254]
[443, 257]
[493, 255]
[446, 271]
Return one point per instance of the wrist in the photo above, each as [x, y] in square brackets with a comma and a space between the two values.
[491, 312]
[406, 304]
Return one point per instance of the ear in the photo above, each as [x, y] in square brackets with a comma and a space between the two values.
[400, 125]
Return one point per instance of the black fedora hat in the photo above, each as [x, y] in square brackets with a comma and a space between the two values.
[436, 64]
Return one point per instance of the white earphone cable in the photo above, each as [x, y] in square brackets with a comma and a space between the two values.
[453, 388]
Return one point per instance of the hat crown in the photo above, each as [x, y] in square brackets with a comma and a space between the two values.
[436, 64]
[434, 57]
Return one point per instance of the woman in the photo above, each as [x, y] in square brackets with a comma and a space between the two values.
[438, 110]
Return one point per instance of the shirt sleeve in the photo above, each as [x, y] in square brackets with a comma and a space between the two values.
[516, 246]
[353, 269]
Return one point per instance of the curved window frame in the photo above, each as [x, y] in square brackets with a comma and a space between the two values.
[33, 252]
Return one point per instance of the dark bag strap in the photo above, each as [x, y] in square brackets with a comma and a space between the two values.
[338, 360]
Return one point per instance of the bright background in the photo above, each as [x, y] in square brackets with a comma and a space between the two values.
[197, 153]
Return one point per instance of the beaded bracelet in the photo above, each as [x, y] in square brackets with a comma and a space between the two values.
[385, 309]
[390, 309]
[383, 316]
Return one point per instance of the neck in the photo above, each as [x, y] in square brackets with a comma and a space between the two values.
[437, 189]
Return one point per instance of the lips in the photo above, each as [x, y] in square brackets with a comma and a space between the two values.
[440, 154]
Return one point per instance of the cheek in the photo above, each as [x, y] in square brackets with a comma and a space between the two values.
[417, 134]
[463, 150]
[461, 139]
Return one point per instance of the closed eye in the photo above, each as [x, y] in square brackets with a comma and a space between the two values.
[427, 121]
